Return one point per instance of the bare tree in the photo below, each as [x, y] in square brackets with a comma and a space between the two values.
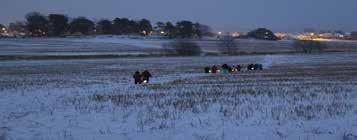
[182, 47]
[309, 46]
[228, 45]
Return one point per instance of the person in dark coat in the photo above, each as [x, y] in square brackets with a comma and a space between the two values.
[146, 76]
[231, 69]
[137, 77]
[256, 66]
[251, 67]
[207, 70]
[238, 67]
[225, 66]
[214, 69]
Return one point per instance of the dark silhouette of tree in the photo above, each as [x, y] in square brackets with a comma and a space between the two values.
[18, 27]
[37, 24]
[309, 46]
[82, 25]
[104, 27]
[170, 30]
[122, 26]
[262, 33]
[145, 26]
[160, 27]
[183, 48]
[117, 26]
[185, 29]
[58, 24]
[205, 30]
[133, 27]
[197, 30]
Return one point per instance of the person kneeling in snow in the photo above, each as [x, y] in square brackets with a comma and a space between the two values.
[238, 67]
[137, 77]
[207, 70]
[215, 69]
[251, 67]
[146, 76]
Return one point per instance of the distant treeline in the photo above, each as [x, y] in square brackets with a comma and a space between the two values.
[56, 25]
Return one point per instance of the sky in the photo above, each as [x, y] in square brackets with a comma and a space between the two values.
[221, 15]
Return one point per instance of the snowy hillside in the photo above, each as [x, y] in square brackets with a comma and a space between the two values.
[133, 46]
[295, 97]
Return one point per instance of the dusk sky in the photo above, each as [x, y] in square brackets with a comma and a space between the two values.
[221, 15]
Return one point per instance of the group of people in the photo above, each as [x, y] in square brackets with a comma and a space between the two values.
[225, 68]
[142, 78]
[255, 67]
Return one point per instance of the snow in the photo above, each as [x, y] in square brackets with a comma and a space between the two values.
[134, 45]
[295, 96]
[55, 99]
[143, 43]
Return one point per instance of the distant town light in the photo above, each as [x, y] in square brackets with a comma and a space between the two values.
[162, 32]
[220, 33]
[235, 34]
[144, 32]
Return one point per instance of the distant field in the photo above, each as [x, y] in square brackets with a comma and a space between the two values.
[111, 47]
[295, 97]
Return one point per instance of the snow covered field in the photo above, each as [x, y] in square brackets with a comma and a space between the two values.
[299, 97]
[122, 46]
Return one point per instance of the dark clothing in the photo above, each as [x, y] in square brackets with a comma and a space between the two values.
[251, 67]
[207, 70]
[146, 76]
[225, 66]
[214, 69]
[231, 69]
[238, 67]
[137, 78]
[256, 66]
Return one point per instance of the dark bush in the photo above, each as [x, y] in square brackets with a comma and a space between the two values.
[309, 46]
[183, 48]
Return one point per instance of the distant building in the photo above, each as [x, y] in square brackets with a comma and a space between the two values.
[236, 34]
[3, 29]
[281, 35]
[354, 35]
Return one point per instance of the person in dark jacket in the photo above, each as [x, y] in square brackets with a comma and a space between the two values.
[225, 66]
[256, 66]
[137, 77]
[238, 67]
[146, 76]
[214, 69]
[231, 69]
[207, 70]
[251, 67]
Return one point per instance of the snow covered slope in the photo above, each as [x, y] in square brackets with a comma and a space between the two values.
[295, 97]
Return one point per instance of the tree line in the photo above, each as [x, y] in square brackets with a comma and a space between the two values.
[55, 25]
